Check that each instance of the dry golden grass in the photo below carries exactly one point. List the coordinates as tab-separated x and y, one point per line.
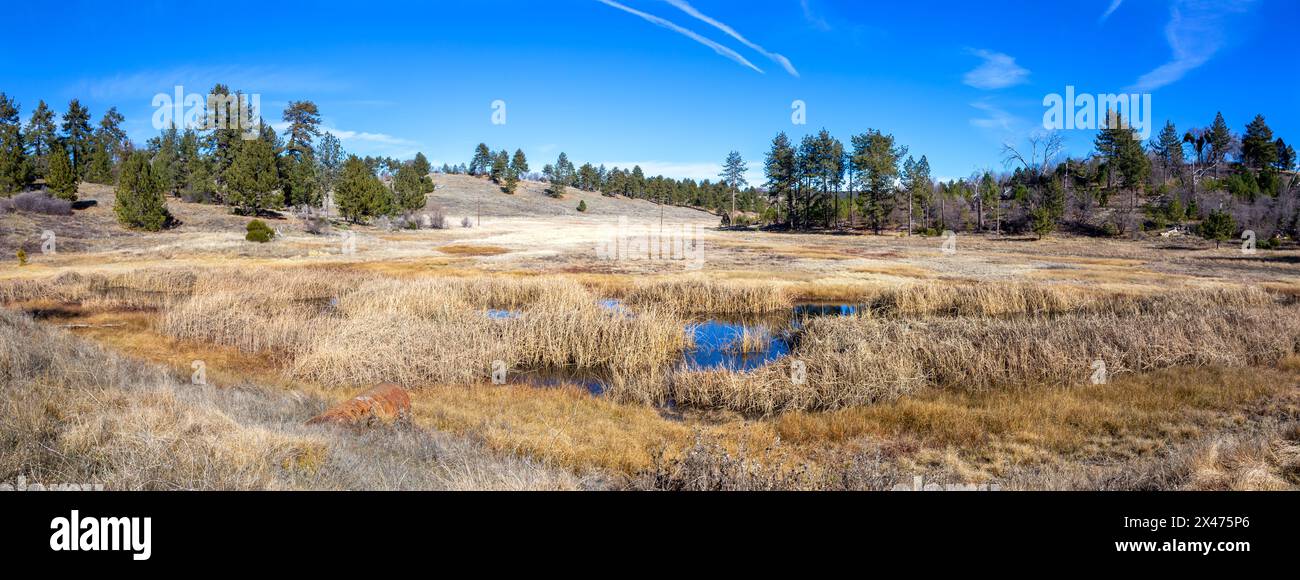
702	295
72	413
472	250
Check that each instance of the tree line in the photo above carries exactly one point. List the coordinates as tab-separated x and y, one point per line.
302	168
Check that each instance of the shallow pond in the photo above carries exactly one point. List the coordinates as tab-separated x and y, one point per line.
721	342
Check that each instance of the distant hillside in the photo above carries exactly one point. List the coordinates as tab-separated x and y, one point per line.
460	195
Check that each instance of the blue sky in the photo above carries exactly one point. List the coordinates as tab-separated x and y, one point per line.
672	85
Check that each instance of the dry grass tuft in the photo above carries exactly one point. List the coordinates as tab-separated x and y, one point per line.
72	413
698	296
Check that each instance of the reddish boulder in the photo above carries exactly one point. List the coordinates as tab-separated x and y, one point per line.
384	403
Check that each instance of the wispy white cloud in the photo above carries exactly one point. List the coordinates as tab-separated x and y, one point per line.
200	79
686	7
994	118
998	71
365	142
1114	5
812	18
1195	33
657	21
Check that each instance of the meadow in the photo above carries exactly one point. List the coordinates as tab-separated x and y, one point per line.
975	368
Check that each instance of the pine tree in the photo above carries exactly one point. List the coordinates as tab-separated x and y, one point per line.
519	164
1258	150
299	181
636	183
1169	148
16	171
779	167
101	165
1219	138
167	161
303	118
111	135
1286	157
500	164
140	202
482	161
329	160
62	180
359	194
252	179
421	165
77	135
733	175
877	157
410	188
41	137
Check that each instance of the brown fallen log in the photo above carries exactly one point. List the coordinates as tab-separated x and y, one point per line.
383	403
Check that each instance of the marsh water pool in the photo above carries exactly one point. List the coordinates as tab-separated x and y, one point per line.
718	342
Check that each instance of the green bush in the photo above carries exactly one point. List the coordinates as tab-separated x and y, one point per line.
140	203
259	232
582	205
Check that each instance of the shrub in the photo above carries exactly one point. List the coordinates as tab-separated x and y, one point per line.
259	232
1219	226
22	257
582	205
36	202
465	222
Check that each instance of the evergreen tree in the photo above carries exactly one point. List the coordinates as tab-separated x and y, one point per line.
199	183
500	164
1286	157
779	167
252	180
299	180
140	202
588	177
111	135
16	171
1218	226
62	180
482	161
421	165
1258	150
877	156
329	161
636	182
77	136
167	161
1219	139
41	137
303	118
519	164
223	118
1169	148
358	194
101	165
733	175
990	195
410	189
